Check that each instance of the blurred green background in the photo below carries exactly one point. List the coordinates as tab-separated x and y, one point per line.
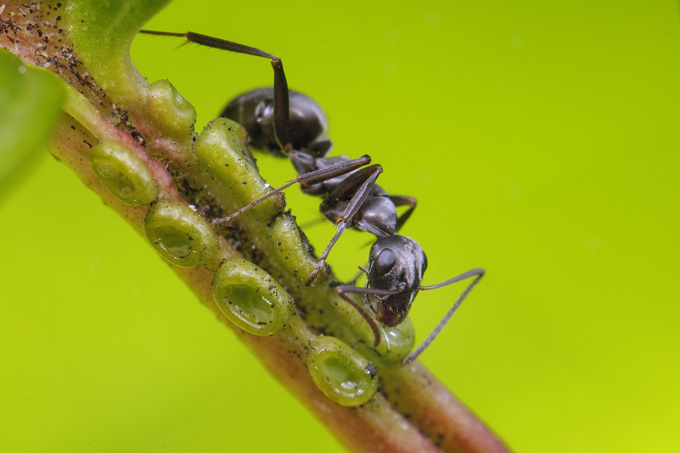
541	140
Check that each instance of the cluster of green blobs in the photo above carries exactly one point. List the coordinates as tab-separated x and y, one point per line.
179	234
123	173
246	294
251	298
341	373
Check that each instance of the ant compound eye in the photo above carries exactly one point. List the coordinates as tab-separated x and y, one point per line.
385	261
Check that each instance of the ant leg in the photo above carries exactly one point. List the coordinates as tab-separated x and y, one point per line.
377	229
343	290
305	180
281	101
366	178
403	200
479	273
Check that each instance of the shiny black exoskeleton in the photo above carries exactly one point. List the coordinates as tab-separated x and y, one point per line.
351	196
290	124
395	260
254	111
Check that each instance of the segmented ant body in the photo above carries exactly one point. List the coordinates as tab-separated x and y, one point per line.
290	124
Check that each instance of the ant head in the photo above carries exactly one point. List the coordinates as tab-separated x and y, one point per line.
254	110
396	264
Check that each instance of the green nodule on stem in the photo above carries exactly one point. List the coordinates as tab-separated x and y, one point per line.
171	113
123	173
251	298
223	154
397	342
341	373
179	234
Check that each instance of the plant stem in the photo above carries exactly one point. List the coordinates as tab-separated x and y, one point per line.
411	411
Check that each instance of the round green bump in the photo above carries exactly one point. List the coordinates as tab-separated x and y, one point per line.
123	173
222	152
179	234
342	374
397	342
172	113
251	298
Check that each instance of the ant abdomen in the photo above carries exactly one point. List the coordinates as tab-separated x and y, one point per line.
254	110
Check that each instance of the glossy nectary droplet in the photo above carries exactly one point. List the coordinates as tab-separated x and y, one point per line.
251	298
123	173
179	234
342	374
173	114
397	342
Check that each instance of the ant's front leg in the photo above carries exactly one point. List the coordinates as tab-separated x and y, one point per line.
281	100
344	290
477	274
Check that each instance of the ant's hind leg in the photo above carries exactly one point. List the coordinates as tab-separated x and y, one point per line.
281	100
305	180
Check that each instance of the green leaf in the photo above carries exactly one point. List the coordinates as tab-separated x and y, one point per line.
30	105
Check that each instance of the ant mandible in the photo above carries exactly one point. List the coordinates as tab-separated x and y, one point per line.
289	124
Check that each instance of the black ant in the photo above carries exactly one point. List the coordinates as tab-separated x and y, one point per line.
289	124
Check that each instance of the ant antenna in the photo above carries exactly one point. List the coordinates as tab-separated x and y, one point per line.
430	338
